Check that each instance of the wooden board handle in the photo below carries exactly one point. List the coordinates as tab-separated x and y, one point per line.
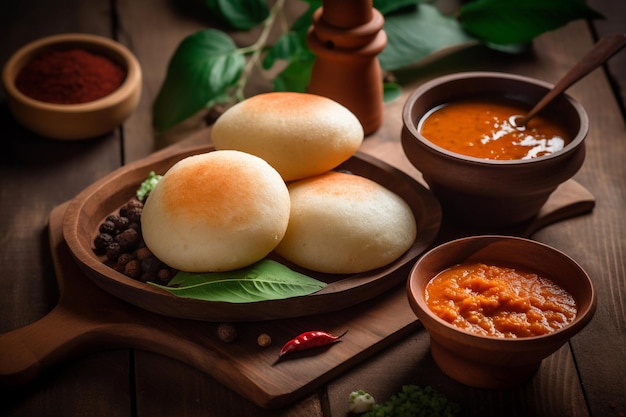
29	350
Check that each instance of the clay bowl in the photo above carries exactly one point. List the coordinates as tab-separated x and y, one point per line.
74	121
489	361
492	194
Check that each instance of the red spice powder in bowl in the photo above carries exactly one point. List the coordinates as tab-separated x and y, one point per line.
69	76
72	86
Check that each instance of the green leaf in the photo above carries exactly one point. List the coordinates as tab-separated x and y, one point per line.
204	67
264	280
292	47
285	48
297	74
414	35
516	21
390	6
148	185
391	91
239	14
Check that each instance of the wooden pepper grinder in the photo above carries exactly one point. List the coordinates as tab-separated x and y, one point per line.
346	38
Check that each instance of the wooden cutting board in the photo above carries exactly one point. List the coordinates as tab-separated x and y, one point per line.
87	318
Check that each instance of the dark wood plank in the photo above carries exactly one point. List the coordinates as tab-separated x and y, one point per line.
97	384
184	388
35	175
614	21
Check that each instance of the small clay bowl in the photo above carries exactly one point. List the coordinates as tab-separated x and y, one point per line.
488	361
74	121
492	195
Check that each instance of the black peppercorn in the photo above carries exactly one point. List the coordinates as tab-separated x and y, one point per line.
148	277
135	225
134	214
113	251
127	239
150	265
121	223
143	253
133	269
107	226
124	258
102	241
134	203
164	276
121	241
226	332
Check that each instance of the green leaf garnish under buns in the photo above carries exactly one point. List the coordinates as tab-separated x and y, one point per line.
262	281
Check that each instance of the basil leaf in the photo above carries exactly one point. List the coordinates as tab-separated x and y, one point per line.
414	35
514	21
203	68
264	280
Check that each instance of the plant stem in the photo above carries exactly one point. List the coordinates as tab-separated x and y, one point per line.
257	48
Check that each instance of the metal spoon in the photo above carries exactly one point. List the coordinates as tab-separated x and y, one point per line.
606	47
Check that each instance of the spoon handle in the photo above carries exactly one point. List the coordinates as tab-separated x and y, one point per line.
606	47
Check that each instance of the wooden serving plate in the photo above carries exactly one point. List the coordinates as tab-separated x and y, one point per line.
87	210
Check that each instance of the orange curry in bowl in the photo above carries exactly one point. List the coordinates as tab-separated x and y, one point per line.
485	128
490	300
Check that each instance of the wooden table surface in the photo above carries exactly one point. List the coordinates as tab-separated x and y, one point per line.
586	377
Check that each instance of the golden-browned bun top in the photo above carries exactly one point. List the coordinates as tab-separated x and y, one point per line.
299	134
217	211
345	223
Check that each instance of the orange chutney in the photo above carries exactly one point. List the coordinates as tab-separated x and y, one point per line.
484	128
495	301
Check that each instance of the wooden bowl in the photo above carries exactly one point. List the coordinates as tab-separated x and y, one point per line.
493	362
491	194
87	210
74	121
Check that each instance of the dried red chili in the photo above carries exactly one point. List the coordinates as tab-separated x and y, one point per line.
309	340
69	76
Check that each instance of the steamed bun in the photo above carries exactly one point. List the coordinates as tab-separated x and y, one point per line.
216	211
344	223
299	134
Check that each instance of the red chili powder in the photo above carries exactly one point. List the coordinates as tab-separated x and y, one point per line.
69	76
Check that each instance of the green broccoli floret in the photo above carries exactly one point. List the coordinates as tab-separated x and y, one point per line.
415	401
148	185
